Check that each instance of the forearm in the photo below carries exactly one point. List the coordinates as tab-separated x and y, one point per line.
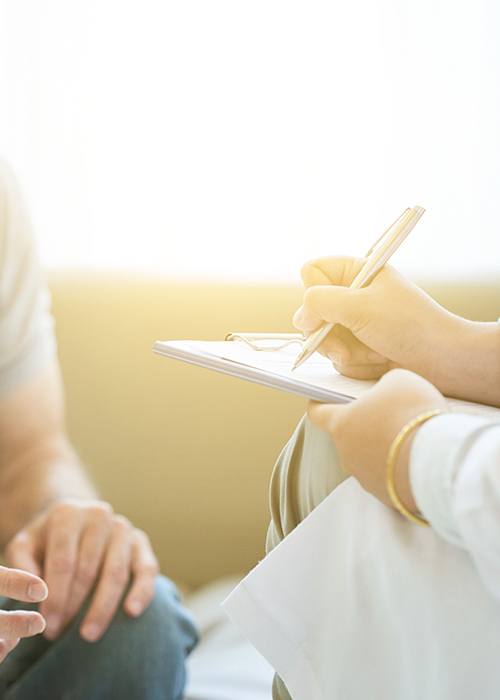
470	362
36	478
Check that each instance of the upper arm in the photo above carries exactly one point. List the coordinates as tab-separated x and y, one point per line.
32	419
27	344
31	400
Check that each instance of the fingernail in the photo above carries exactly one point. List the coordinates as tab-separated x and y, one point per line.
37	625
298	317
52	626
91	632
37	591
134	607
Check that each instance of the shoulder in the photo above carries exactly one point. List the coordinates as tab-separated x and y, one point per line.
8	182
15	225
11	203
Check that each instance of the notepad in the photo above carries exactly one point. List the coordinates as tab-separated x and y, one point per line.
272	366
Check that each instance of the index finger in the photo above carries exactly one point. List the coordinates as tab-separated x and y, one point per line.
340	271
63	539
21	585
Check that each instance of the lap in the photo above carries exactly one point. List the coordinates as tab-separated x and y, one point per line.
153	647
306	471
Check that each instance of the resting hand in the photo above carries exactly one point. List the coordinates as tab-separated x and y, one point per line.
364	430
390	323
15	624
80	546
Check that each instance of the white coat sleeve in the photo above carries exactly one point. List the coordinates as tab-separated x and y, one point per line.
455	477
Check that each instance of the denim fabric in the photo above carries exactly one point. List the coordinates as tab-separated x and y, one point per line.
137	659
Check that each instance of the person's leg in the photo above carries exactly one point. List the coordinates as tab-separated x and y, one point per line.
137	659
306	471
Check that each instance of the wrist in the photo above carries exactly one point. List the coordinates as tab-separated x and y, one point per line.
469	367
402	480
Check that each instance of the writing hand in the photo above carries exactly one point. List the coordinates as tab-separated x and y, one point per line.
390	323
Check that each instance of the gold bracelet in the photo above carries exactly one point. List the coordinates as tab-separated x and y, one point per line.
392	458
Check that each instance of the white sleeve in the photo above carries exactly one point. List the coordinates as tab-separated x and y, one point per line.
455	477
27	341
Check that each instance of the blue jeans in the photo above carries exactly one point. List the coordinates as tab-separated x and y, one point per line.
137	659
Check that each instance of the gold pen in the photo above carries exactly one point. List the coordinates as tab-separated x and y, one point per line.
376	258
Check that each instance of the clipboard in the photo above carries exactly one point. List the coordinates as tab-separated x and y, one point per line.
267	359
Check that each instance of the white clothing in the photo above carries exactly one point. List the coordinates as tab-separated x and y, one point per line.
356	602
26	328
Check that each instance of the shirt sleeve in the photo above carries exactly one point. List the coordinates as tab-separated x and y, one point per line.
27	341
455	477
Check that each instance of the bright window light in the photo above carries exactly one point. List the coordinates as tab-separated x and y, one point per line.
235	140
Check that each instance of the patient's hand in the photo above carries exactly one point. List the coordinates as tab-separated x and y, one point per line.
363	430
392	323
82	545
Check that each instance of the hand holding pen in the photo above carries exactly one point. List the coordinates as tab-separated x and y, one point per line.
375	259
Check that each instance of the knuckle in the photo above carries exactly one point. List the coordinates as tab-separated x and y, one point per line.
18	542
101	508
121	523
86	574
12	583
118	575
151	569
142	538
309	296
306	269
15	626
62	510
99	517
63	563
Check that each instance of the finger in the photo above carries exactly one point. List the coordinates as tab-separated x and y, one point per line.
20	623
368	371
331	304
21	553
90	557
21	585
323	414
340	271
145	569
336	348
113	580
63	535
6	646
306	320
352	350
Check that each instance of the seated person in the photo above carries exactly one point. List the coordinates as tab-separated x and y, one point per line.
389	327
112	628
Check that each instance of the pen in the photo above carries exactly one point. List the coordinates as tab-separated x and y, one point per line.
376	258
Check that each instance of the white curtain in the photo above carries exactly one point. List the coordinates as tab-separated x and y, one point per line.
238	138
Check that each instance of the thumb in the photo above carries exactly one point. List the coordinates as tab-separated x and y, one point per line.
329	303
323	415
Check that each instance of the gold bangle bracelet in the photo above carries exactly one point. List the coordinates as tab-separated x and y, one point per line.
392	458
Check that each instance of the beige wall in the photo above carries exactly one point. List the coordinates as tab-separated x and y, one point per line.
184	452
